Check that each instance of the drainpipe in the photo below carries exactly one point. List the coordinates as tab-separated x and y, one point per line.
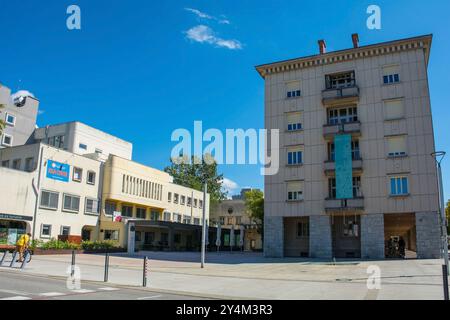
36	189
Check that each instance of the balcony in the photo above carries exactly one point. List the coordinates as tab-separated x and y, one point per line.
353	128
340	95
349	205
330	166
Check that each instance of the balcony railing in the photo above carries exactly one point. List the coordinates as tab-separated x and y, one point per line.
330	130
330	166
346	94
335	205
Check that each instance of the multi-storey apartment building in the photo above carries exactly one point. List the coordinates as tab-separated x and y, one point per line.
19	112
356	136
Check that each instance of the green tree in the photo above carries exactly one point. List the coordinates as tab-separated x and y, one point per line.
2	123
254	202
192	173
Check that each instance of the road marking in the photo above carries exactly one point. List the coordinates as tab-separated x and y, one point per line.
17	298
108	289
18	293
82	291
149	298
52	294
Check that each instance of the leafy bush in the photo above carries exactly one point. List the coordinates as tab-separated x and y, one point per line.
54	244
99	245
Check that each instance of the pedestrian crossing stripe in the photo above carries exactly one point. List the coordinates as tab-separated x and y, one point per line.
108	289
81	291
52	294
17	298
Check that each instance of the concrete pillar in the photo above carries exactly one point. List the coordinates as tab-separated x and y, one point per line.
429	243
273	237
131	238
372	236
320	242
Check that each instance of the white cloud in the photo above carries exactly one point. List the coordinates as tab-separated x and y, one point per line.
229	186
205	34
203	15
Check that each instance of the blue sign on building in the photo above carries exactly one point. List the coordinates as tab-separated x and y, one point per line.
344	168
58	171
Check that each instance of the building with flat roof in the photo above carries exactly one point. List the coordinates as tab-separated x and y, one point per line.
79	138
19	113
143	209
356	136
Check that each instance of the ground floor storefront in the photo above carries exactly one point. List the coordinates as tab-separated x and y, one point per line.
354	235
12	227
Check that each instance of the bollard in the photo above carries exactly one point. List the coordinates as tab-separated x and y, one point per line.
13	261
144	276
72	273
3	258
106	267
445	277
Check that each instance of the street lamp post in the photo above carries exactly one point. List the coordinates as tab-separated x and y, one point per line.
204	230
439	156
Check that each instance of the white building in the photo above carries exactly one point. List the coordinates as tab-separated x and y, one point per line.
79	138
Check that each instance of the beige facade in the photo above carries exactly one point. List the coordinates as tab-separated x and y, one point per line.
379	94
159	213
49	207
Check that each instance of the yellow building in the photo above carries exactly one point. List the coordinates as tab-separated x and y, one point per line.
143	209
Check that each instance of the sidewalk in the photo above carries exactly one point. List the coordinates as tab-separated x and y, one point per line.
251	276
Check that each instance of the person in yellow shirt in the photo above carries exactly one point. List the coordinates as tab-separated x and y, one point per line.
22	245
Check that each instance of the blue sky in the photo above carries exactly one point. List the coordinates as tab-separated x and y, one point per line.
133	72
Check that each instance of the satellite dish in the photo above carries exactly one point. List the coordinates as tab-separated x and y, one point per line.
20	101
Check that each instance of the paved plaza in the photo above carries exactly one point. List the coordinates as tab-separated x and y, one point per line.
251	276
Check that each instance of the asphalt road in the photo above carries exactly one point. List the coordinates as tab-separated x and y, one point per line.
18	286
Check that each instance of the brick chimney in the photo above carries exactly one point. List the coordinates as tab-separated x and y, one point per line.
355	39
322	47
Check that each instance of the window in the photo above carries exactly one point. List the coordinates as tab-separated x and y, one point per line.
295	191
238	220
65	231
77	174
302	229
177	238
177	217
154	216
5	164
396	146
98	151
82	146
10	120
197	221
200	204
7	140
394	109
183	200
399	186
230	221
138	236
357	191
127	211
356	155
49	200
46	231
165	239
186	219
57	142
112	235
391	74
91	177
342	115
29	164
17	164
169	197
294	121
175	198
167	216
71	203
141	213
293	89
295	156
222	220
91	206
110	208
340	80
195	203
189	201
